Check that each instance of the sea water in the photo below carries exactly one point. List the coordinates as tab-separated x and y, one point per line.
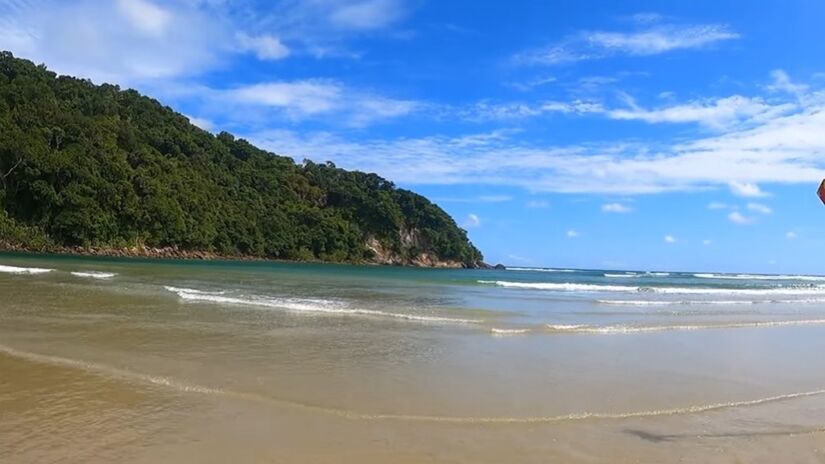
106	360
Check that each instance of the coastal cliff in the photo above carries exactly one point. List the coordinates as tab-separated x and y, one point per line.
93	169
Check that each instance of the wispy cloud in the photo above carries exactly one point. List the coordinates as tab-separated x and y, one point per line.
265	46
616	208
783	148
538	204
746	189
572	233
128	42
670	239
649	39
790	235
715	113
782	83
472	221
759	208
313	98
738	218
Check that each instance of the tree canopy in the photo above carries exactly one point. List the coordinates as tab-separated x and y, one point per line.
96	166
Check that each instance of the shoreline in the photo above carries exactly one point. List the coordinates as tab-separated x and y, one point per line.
175	253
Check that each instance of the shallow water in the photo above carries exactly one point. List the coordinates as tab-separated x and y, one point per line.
106	360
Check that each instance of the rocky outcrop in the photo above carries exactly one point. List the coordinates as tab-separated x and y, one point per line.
415	251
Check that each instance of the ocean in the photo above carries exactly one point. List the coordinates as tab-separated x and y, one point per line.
126	360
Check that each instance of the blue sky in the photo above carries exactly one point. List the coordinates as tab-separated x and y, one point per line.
645	135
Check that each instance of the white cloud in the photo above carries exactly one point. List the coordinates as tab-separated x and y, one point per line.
472	221
203	123
538	204
787	148
572	233
782	83
717	205
759	208
145	16
652	40
265	47
305	97
616	208
670	239
738	218
790	235
661	39
746	189
123	42
719	113
707	242
316	97
366	14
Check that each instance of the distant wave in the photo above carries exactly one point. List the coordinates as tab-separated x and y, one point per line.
595	288
620	275
23	270
633	329
678	302
95	274
306	305
193	291
539	269
658	274
562	287
759	277
496	331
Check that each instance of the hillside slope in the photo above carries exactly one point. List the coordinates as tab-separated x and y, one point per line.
96	167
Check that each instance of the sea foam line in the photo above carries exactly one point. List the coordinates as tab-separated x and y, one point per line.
758	277
680	302
308	305
595	288
631	329
497	331
23	270
94	274
184	387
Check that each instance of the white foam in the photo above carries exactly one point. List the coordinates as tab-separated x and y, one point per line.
759	277
496	331
561	287
193	291
658	274
630	329
23	270
620	275
677	302
95	274
594	288
307	305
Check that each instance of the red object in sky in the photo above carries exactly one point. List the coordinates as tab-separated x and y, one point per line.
821	191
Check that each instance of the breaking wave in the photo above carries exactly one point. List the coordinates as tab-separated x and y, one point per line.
95	274
595	288
23	270
496	331
305	305
634	329
760	277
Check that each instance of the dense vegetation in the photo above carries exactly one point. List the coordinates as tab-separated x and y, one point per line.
97	166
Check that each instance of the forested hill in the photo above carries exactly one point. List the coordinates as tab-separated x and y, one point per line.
96	167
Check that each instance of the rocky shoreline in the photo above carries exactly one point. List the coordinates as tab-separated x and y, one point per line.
178	253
